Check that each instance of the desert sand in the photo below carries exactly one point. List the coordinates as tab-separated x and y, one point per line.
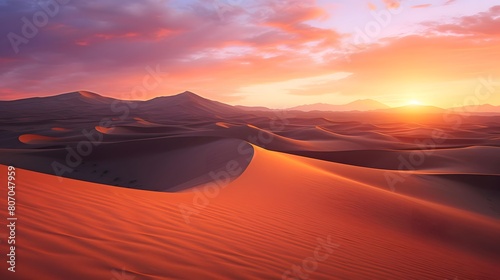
187	188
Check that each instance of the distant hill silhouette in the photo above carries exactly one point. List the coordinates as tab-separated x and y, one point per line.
188	105
358	105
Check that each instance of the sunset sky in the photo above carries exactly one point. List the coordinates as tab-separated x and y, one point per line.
269	53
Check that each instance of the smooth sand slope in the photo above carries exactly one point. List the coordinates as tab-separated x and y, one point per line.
257	227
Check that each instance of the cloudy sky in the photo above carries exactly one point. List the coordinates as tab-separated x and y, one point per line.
271	53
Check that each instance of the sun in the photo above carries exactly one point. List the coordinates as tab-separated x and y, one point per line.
415	102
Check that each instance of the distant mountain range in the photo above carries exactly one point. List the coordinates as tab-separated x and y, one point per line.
414	109
485	108
187	105
358	105
89	104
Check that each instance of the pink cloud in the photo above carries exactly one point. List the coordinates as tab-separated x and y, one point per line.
422	6
106	49
108	45
392	4
483	24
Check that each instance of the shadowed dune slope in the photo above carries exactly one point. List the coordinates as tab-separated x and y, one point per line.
161	164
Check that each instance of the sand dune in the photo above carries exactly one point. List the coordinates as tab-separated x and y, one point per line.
35	139
62	129
481	160
254	228
183	187
152	164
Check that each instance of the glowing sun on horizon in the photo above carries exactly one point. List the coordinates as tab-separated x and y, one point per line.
415	102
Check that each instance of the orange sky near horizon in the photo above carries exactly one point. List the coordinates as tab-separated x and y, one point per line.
276	54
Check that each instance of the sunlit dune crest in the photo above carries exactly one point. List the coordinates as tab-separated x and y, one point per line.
144	122
35	139
252	126
60	129
105	130
88	94
222	124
